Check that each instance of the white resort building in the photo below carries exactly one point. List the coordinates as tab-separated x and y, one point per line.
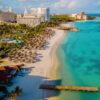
79	16
34	18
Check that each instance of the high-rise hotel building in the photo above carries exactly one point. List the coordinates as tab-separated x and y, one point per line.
37	16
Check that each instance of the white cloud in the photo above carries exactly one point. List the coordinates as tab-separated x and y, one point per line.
98	3
60	4
56	5
69	4
72	5
21	0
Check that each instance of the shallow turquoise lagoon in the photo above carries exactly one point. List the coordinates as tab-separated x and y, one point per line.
79	57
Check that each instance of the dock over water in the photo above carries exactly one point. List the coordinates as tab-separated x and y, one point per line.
72	88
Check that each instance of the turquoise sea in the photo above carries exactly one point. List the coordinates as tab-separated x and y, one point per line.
79	57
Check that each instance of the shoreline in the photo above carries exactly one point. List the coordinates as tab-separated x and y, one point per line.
41	72
55	61
55	56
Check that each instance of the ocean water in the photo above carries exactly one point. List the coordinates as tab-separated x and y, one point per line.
97	15
79	58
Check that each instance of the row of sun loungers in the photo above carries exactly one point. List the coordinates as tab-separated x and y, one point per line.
27	54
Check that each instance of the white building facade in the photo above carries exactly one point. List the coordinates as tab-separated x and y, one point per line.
37	16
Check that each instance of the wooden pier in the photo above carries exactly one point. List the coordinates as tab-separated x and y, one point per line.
72	88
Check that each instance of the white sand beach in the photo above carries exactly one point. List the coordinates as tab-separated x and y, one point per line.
41	72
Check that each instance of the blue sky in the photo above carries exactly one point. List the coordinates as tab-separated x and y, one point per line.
58	6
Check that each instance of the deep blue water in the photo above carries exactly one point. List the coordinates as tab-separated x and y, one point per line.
97	15
80	60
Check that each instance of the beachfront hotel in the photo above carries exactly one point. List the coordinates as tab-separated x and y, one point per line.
79	16
34	18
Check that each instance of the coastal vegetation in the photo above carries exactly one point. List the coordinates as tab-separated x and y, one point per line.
7	74
29	37
11	95
15	93
62	18
91	17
